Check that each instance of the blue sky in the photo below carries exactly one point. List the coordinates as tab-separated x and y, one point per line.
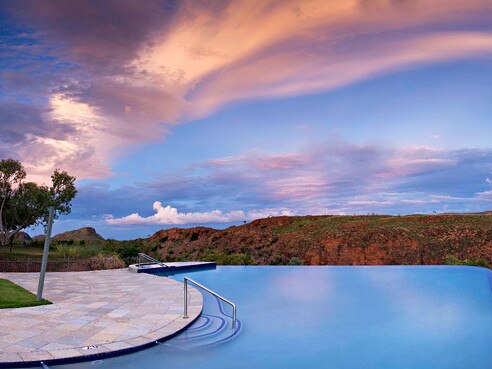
215	113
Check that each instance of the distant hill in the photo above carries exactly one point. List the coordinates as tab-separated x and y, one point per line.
21	237
489	212
82	234
334	240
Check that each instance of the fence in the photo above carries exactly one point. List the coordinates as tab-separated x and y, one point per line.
61	265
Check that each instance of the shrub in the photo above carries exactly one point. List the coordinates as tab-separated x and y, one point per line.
453	260
37	244
296	261
100	261
68	251
277	260
77	251
128	250
228	259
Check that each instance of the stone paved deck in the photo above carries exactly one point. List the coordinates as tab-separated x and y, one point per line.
107	310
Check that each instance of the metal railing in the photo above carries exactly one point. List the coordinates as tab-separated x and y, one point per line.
149	259
188	280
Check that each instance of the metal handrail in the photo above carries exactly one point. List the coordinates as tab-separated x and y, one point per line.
151	260
186	280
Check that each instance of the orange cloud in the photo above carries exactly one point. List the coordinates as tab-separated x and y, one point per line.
140	74
246	50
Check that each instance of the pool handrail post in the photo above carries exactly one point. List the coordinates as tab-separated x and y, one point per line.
150	260
185	314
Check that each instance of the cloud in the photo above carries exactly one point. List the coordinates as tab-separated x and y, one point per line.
488	180
168	215
332	177
485	195
128	72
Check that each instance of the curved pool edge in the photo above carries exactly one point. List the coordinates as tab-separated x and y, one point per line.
139	343
102	355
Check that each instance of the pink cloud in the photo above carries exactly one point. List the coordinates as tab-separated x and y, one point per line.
332	178
320	171
138	70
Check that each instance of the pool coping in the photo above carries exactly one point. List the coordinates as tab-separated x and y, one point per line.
110	349
100	355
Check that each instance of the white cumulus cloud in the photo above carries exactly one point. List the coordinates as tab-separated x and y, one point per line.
167	215
170	215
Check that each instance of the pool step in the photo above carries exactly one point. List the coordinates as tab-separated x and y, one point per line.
213	327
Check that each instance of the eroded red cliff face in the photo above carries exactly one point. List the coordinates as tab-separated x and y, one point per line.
337	240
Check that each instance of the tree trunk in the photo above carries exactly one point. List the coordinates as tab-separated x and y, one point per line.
3	239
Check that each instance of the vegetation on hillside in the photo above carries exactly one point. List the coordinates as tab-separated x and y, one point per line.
336	240
454	239
102	254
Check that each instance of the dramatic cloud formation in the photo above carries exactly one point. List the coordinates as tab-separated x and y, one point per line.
103	77
99	87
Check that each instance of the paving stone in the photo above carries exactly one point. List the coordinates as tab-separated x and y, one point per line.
10	357
63	354
109	310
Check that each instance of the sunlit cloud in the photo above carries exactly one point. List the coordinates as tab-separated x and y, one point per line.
128	72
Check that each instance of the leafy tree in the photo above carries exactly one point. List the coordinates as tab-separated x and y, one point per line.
25	204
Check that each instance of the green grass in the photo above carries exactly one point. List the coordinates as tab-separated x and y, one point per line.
19	252
409	223
14	296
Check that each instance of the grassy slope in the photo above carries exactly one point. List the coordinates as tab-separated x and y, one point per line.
14	296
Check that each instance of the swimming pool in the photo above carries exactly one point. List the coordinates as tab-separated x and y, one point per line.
333	317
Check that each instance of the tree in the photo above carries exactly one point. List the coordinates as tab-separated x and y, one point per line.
25	204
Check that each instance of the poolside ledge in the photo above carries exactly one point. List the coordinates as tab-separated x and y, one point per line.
93	315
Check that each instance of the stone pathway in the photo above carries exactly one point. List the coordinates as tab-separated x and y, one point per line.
92	313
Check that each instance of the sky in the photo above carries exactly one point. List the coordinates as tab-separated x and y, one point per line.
215	113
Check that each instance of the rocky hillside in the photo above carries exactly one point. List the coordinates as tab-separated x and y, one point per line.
334	240
82	234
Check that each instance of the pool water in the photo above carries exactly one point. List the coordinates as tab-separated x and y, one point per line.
392	317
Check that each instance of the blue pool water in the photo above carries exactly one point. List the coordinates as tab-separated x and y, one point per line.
397	317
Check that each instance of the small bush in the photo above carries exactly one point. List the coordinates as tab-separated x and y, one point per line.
100	261
296	261
37	244
77	251
128	250
453	260
278	260
68	251
222	258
